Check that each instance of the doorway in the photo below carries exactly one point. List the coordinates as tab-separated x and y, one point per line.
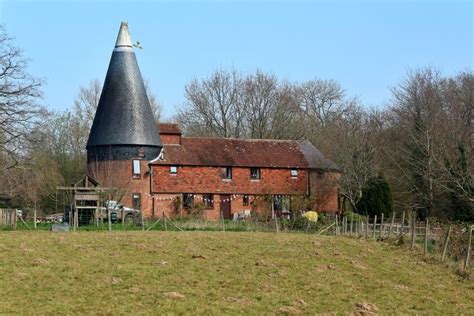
225	206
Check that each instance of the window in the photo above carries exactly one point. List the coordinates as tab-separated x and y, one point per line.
245	200
188	200
226	173
294	173
320	175
136	169
208	201
255	173
173	169
136	201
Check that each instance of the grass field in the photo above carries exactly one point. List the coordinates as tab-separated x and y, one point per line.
217	272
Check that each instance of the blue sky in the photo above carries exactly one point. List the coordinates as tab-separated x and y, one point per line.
367	46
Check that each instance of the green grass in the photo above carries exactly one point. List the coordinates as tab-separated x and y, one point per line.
131	272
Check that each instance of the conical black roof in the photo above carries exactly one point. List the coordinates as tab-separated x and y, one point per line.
124	115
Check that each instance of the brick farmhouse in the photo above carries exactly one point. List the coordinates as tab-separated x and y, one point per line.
157	170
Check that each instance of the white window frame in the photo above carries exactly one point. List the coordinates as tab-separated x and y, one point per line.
294	173
136	169
173	169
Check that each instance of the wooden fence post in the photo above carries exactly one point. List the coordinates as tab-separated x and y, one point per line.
347	226
446	241
425	248
391	225
381	228
413	224
352	222
374	228
109	218
96	213
336	225
367	228
164	218
223	222
403	224
468	255
34	216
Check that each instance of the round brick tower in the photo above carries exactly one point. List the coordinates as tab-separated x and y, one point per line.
124	135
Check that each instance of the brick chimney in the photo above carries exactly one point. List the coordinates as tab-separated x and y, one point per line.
170	133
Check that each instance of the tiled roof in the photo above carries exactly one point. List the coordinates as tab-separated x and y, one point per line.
245	153
123	115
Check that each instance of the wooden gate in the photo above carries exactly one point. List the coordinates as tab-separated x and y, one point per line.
8	218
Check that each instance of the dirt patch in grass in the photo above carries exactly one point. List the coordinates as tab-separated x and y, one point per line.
133	272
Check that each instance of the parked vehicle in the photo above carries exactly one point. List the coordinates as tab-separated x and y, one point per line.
55	218
118	212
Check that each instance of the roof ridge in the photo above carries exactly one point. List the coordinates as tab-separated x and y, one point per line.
245	139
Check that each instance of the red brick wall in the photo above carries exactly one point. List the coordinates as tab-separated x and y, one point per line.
170	139
119	175
165	204
208	180
325	188
167	187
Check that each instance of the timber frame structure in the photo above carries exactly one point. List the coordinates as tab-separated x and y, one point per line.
86	201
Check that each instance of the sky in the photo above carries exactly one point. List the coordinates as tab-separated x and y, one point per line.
367	46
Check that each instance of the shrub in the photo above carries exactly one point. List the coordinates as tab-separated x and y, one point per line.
376	198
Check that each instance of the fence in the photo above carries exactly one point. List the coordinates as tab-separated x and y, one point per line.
435	238
8	218
442	240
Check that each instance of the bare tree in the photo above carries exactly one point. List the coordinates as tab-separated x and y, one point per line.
432	140
19	94
355	135
85	104
156	107
214	105
322	100
270	108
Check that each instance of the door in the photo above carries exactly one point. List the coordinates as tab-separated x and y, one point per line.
225	206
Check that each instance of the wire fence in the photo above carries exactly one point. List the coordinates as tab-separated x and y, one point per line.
441	240
434	238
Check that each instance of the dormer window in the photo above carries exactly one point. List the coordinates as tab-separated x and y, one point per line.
136	169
